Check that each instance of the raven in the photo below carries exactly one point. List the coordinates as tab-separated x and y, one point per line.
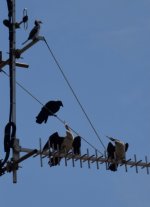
54	142
49	109
77	145
34	32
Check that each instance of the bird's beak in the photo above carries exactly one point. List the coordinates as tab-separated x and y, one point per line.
112	139
66	126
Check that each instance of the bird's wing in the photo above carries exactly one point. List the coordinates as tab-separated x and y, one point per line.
33	33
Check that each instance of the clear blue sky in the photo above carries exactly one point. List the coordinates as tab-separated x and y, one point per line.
103	48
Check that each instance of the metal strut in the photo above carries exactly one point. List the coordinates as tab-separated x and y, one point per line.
18	52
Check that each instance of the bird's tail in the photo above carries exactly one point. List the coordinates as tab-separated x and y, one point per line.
24	42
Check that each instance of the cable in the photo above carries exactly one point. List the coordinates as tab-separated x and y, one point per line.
74	94
10	131
30	94
27	91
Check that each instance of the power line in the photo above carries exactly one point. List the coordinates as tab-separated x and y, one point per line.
73	92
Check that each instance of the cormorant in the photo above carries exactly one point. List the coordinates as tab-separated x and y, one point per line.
54	142
61	144
117	152
49	109
34	32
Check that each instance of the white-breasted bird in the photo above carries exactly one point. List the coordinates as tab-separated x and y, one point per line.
66	145
34	32
117	152
120	149
61	144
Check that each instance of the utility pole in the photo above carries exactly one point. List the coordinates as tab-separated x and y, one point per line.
10	138
13	55
12	74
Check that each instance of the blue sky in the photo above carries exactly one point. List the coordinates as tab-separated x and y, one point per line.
103	48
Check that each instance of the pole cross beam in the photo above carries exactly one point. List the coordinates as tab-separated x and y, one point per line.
17	53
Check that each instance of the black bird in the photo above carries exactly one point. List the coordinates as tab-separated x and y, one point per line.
34	32
77	145
54	142
110	150
49	109
111	155
61	144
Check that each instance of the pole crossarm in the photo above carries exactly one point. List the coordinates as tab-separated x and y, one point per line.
18	53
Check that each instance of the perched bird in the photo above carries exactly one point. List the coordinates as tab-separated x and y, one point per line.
65	146
110	150
54	142
111	155
77	145
34	32
49	109
117	152
60	144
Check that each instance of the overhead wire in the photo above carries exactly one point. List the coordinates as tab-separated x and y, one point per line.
36	99
73	92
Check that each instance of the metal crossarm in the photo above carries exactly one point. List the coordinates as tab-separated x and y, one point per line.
18	53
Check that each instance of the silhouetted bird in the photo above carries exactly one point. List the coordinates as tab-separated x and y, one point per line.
34	32
49	109
53	142
60	144
110	150
117	152
77	145
111	155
